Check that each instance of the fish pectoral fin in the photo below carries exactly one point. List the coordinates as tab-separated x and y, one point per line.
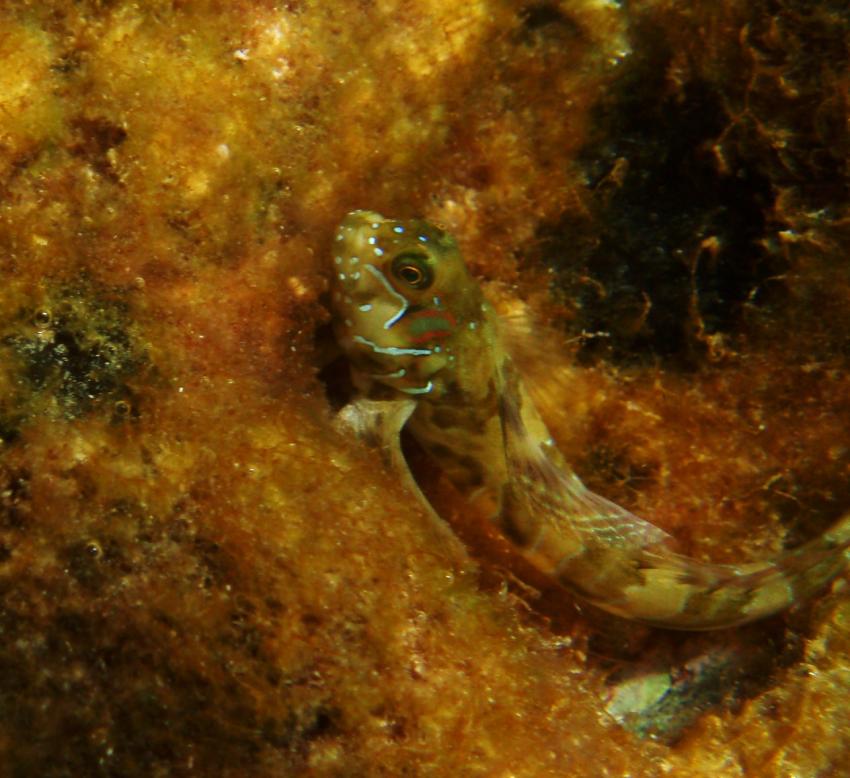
378	423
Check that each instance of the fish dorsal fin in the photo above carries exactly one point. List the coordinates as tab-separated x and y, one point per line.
531	344
543	483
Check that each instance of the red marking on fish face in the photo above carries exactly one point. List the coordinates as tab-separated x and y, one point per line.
440	324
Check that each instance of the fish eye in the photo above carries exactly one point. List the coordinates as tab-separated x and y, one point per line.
42	317
413	270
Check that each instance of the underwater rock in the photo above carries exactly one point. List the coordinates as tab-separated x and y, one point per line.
199	576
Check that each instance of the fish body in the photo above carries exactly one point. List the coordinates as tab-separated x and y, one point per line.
421	339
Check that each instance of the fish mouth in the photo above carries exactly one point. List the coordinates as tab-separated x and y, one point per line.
356	220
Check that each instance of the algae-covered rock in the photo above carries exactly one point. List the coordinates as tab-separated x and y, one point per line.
199	575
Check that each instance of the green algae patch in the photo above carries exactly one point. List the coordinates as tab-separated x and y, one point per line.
72	348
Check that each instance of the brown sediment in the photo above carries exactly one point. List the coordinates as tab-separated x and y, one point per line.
199	577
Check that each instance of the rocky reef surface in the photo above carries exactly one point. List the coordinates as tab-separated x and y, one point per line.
200	576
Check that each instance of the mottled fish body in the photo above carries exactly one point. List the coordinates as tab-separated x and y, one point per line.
425	351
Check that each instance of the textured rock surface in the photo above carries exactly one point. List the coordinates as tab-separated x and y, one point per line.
198	576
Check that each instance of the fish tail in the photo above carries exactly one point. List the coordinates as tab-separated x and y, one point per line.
626	565
658	587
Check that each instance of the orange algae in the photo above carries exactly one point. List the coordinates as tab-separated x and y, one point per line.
199	577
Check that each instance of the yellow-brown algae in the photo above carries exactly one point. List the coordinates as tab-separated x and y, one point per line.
216	583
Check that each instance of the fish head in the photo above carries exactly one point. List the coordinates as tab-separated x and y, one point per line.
401	295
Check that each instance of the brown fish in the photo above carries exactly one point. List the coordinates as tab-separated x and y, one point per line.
425	351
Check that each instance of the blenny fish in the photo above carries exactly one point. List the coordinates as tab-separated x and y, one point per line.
426	353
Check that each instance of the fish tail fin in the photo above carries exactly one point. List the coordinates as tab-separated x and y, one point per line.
673	591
